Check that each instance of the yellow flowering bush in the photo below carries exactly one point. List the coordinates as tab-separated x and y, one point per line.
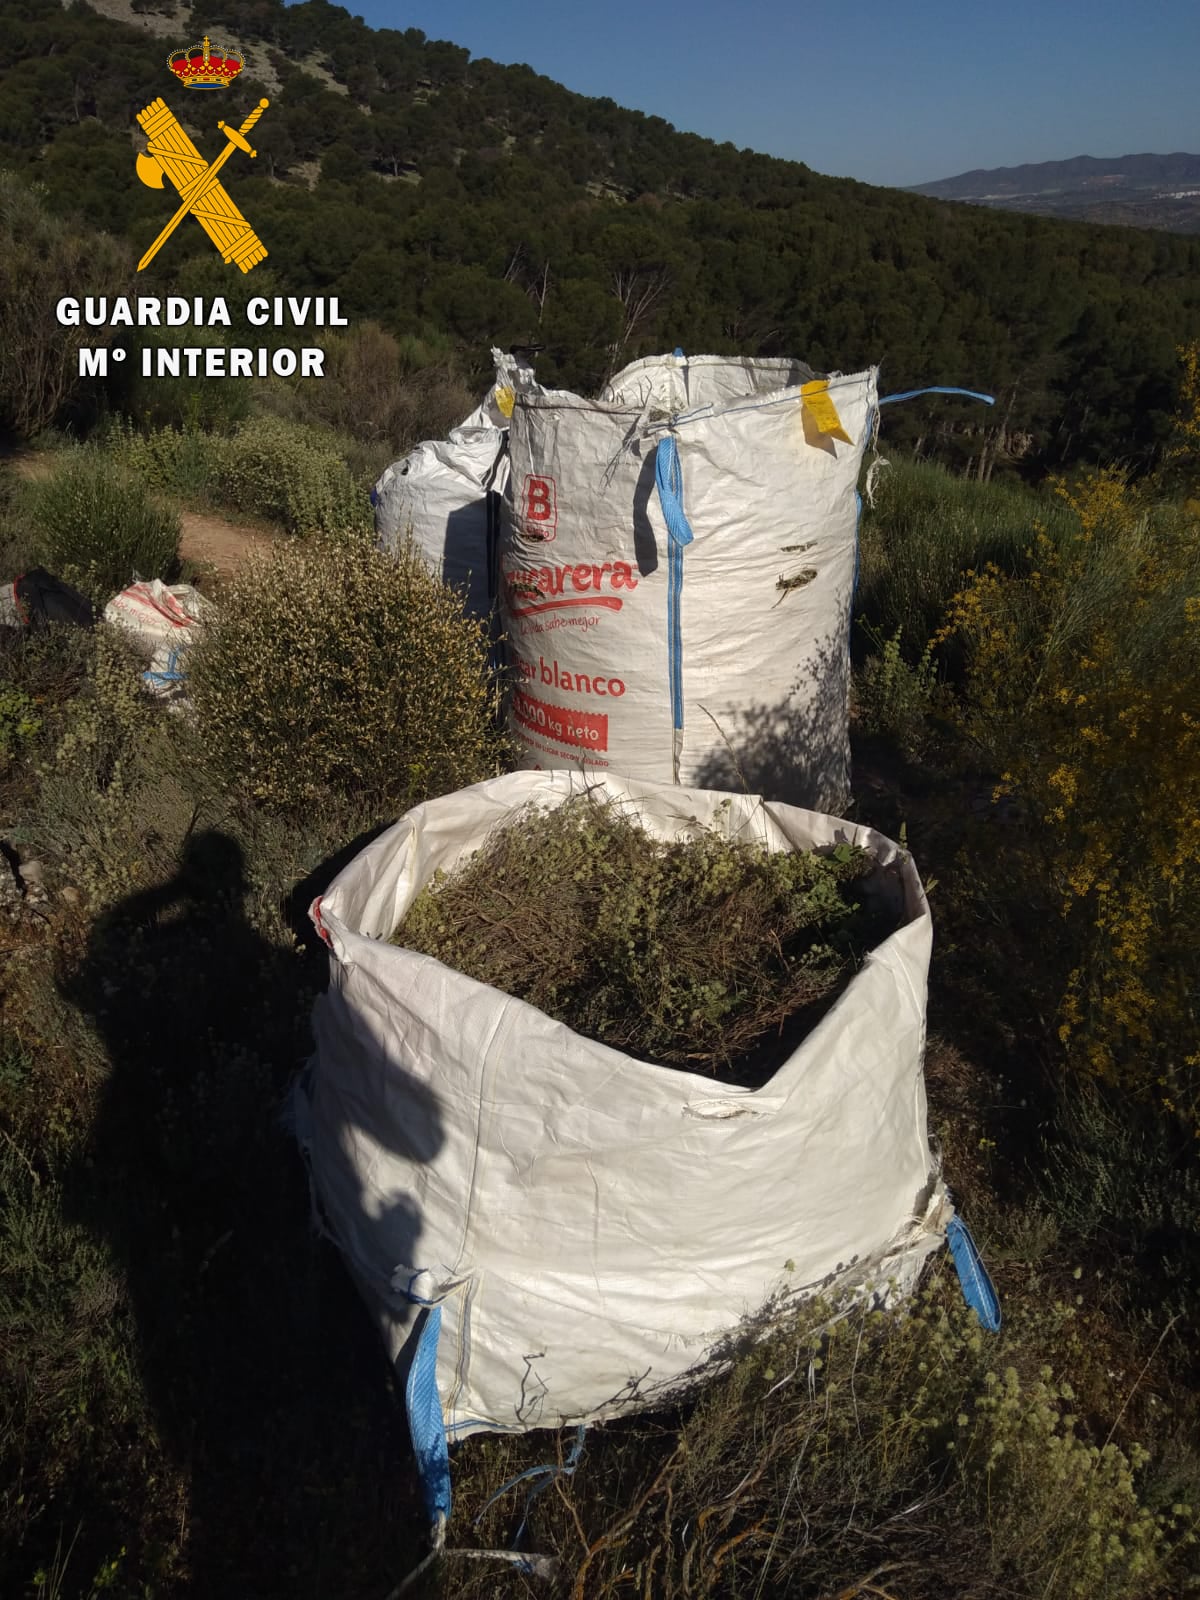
1083	693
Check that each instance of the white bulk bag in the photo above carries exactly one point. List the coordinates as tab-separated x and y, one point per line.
592	1227
677	563
439	491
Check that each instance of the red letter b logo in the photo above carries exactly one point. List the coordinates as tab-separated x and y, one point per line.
541	506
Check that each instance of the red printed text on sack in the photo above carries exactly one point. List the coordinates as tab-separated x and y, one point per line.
546	588
541	506
557	677
586	729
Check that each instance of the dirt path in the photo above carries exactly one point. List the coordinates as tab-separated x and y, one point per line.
29	464
214	542
205	539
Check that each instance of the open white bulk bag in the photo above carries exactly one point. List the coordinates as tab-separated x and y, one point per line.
680	381
677	563
593	1228
441	492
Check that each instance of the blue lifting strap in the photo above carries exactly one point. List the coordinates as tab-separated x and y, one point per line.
977	1287
668	476
425	1422
911	394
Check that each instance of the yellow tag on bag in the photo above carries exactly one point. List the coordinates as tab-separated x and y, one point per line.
505	400
818	402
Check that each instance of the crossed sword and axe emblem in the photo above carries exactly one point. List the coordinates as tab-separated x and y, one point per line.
171	154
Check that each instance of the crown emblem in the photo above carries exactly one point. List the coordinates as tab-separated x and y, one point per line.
202	67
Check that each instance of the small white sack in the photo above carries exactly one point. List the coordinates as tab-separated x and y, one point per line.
154	614
594	1227
164	621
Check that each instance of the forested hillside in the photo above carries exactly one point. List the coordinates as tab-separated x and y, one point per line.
459	200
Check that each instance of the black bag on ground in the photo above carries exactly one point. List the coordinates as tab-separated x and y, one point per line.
37	598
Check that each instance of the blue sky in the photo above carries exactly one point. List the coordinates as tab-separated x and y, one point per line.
889	93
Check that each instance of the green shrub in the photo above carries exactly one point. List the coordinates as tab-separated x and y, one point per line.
380	389
68	1376
305	478
291	474
46	666
925	529
110	805
43	258
99	527
18	545
16	1068
214	404
19	721
1117	1173
688	953
183	462
895	699
334	669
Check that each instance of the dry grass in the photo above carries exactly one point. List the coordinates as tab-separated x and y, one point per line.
902	1454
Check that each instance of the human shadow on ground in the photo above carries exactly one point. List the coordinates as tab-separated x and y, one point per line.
265	1380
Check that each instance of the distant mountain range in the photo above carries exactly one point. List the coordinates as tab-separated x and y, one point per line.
1138	191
